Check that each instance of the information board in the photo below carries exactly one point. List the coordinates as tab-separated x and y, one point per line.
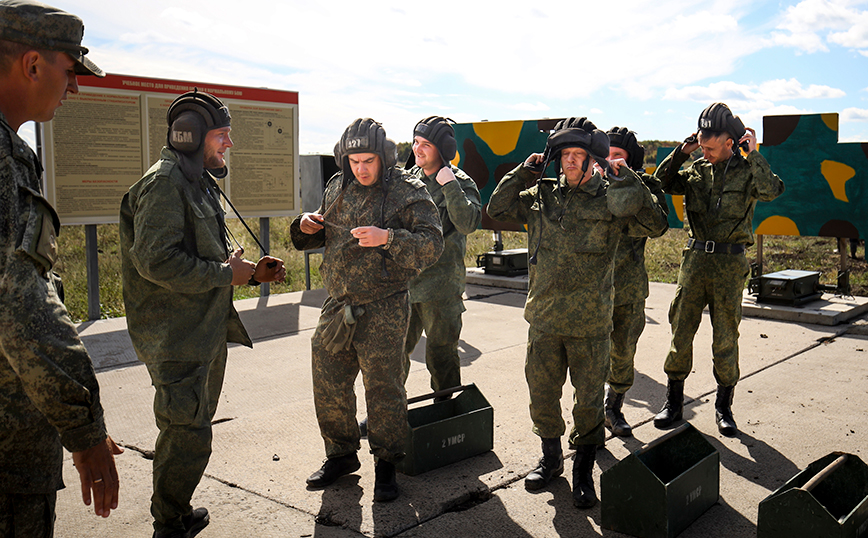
103	139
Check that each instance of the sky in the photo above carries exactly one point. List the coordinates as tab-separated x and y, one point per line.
652	66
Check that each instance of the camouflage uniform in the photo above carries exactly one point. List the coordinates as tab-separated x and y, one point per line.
178	298
435	295
569	303
376	280
631	290
49	396
714	279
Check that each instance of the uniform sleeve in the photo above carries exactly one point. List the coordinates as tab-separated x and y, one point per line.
39	341
649	220
463	204
672	179
303	241
420	242
656	221
766	184
510	202
158	252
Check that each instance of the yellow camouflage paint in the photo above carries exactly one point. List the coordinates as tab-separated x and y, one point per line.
501	136
836	175
778	225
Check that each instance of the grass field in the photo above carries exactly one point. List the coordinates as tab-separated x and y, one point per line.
663	256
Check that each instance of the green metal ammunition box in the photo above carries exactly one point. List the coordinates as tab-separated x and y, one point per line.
445	432
660	489
829	499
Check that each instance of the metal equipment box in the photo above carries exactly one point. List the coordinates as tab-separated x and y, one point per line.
790	287
828	499
448	431
660	489
504	262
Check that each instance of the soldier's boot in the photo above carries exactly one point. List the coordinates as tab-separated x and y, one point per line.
385	482
550	466
723	411
334	468
583	478
615	420
673	409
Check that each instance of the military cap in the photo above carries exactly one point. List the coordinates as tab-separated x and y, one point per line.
48	28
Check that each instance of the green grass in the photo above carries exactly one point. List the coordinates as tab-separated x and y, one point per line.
663	256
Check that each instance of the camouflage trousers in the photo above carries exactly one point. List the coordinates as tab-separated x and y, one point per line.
27	516
628	322
549	357
377	351
441	321
716	280
185	402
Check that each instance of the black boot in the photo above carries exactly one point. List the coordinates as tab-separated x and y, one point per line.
334	468
723	411
583	478
615	420
673	409
385	482
550	466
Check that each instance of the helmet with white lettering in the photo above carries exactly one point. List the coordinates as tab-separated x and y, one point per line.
190	117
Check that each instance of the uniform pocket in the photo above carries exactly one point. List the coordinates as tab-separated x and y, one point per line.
178	385
39	239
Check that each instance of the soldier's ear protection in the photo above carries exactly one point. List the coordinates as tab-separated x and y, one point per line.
191	116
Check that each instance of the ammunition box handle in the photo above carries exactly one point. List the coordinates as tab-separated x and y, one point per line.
444	392
822	475
663	438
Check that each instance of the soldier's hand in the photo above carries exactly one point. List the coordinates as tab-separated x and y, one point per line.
242	270
750	138
616	164
264	273
691	143
311	223
445	175
370	236
533	158
97	471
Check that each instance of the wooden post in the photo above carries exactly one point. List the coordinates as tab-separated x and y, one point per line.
264	235
759	252
843	249
92	265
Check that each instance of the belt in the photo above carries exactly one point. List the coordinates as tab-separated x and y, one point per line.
712	248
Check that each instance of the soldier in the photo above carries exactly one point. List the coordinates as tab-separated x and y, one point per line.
178	276
436	294
49	395
720	193
631	286
574	224
380	229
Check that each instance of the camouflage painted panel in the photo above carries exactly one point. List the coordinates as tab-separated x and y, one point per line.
826	182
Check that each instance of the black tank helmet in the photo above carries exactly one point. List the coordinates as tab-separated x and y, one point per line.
365	136
438	130
190	117
621	137
578	133
717	118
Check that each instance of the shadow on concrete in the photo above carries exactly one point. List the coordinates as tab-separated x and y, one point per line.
341	507
766	467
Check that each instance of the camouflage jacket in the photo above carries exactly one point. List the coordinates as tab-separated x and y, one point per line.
702	184
359	275
49	394
177	284
460	214
631	279
570	290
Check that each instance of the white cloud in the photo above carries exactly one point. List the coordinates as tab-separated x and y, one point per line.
530	107
811	24
743	96
854	114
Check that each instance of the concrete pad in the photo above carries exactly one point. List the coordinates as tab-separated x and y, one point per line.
800	398
827	310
